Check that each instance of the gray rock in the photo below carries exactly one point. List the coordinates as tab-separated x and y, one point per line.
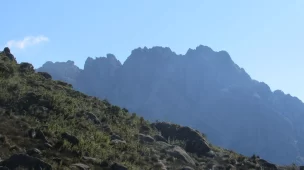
80	166
117	141
145	138
159	166
93	118
89	159
180	153
160	138
37	133
210	154
32	133
33	151
48	145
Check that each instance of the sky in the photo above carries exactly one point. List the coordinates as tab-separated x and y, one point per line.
265	37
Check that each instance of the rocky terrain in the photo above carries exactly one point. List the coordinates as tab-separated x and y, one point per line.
203	89
45	124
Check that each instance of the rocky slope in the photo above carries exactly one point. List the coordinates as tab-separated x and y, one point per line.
45	124
203	89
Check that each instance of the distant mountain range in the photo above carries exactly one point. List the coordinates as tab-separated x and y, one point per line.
203	89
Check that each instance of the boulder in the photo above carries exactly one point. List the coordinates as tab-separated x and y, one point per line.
180	154
145	138
26	161
37	134
70	138
195	142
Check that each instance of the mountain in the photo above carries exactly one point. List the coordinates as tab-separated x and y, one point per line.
45	124
203	89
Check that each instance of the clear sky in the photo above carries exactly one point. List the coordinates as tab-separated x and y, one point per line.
265	37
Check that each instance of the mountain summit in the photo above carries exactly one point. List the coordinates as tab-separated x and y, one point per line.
203	89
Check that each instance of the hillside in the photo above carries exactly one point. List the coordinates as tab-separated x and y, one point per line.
45	124
203	89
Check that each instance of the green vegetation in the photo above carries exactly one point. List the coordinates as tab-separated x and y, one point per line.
56	108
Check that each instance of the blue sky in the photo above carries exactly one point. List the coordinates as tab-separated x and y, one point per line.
263	36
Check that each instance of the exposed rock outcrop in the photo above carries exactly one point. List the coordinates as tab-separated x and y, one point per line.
195	142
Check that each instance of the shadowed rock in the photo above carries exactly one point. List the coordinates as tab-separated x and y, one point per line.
117	166
70	138
45	75
24	160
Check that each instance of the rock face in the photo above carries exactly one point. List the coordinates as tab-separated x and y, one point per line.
204	89
64	71
103	67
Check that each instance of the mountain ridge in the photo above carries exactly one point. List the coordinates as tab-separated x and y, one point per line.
159	84
45	124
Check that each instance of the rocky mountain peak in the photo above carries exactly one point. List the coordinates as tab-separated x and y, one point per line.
102	62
